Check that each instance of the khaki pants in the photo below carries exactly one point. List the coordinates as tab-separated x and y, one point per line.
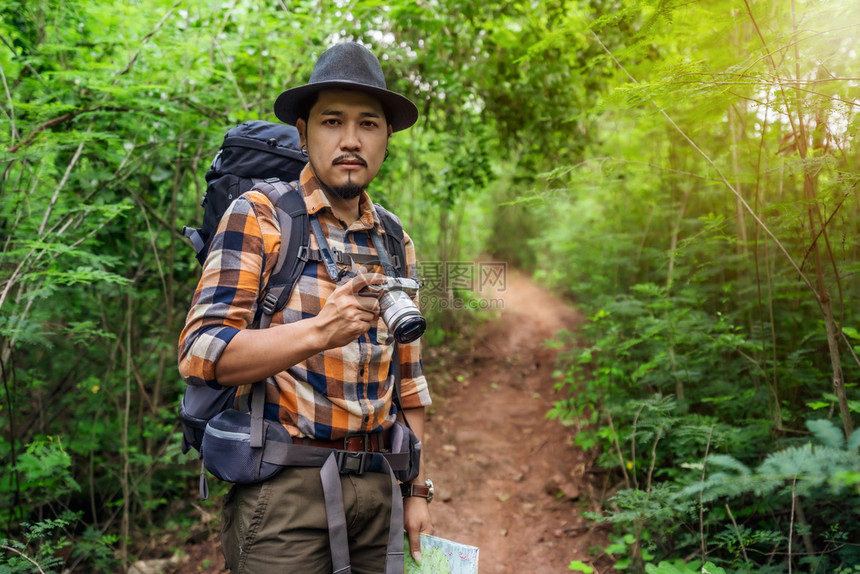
279	526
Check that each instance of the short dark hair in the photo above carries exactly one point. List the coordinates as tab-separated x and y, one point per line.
304	108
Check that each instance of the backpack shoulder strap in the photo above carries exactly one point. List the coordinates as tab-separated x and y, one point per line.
293	219
395	239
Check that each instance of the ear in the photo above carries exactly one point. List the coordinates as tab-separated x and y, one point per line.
302	126
390	131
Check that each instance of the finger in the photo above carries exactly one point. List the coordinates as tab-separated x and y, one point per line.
369	303
415	545
361	281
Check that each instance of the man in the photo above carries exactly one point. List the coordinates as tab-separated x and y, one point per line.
328	351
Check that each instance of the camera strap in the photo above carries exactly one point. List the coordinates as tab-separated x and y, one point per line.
326	254
384	259
329	258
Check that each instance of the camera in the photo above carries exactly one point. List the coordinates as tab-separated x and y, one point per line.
401	316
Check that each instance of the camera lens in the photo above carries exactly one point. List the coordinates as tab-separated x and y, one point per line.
402	317
409	328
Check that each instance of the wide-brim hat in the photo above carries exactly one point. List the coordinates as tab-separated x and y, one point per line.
348	66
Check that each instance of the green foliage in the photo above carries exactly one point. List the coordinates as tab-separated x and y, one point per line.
111	114
42	542
579	566
736	501
39	541
809	469
42	471
717	327
627	550
708	232
681	567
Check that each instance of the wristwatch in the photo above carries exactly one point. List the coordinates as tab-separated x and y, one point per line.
425	491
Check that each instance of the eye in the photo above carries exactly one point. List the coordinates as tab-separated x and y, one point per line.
331	122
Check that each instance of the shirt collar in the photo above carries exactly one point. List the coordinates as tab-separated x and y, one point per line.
317	201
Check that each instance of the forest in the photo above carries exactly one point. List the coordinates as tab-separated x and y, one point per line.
684	172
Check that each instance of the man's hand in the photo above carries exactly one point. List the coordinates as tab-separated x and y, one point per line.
347	315
254	354
416	519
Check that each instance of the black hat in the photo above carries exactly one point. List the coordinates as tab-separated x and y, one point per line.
348	66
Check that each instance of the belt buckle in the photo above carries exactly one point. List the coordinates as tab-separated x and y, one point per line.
365	438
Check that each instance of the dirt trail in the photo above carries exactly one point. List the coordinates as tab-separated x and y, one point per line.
507	479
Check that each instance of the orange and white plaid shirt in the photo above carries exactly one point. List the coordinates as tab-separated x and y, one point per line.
331	394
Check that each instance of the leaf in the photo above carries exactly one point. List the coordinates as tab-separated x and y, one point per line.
851	333
854	441
827	433
672	567
729	462
616	548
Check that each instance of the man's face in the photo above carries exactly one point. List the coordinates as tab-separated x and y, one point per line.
346	135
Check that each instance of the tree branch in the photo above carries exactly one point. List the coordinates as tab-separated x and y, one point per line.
145	39
48	124
24	556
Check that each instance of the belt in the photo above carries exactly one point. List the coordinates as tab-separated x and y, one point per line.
365	442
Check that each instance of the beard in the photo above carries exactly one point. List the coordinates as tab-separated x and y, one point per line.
348	191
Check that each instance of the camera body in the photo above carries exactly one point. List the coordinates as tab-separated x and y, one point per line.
400	314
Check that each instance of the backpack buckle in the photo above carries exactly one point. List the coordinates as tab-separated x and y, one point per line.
304	253
339	257
352	462
269	303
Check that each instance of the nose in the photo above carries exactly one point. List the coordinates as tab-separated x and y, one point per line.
349	139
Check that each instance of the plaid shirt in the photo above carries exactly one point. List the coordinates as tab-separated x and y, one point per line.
331	394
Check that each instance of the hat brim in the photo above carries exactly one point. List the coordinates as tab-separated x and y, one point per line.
400	112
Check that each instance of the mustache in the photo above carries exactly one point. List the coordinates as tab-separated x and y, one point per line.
350	158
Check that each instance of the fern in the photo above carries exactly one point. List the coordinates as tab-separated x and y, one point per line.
827	433
854	441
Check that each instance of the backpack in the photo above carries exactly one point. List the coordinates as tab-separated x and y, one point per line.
252	150
262	155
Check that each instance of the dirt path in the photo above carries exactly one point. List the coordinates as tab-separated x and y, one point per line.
507	479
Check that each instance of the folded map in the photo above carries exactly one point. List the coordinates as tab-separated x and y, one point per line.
440	556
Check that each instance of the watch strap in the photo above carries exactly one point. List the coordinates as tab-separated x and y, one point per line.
408	490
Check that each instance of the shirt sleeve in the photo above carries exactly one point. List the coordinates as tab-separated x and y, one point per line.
414	391
225	301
